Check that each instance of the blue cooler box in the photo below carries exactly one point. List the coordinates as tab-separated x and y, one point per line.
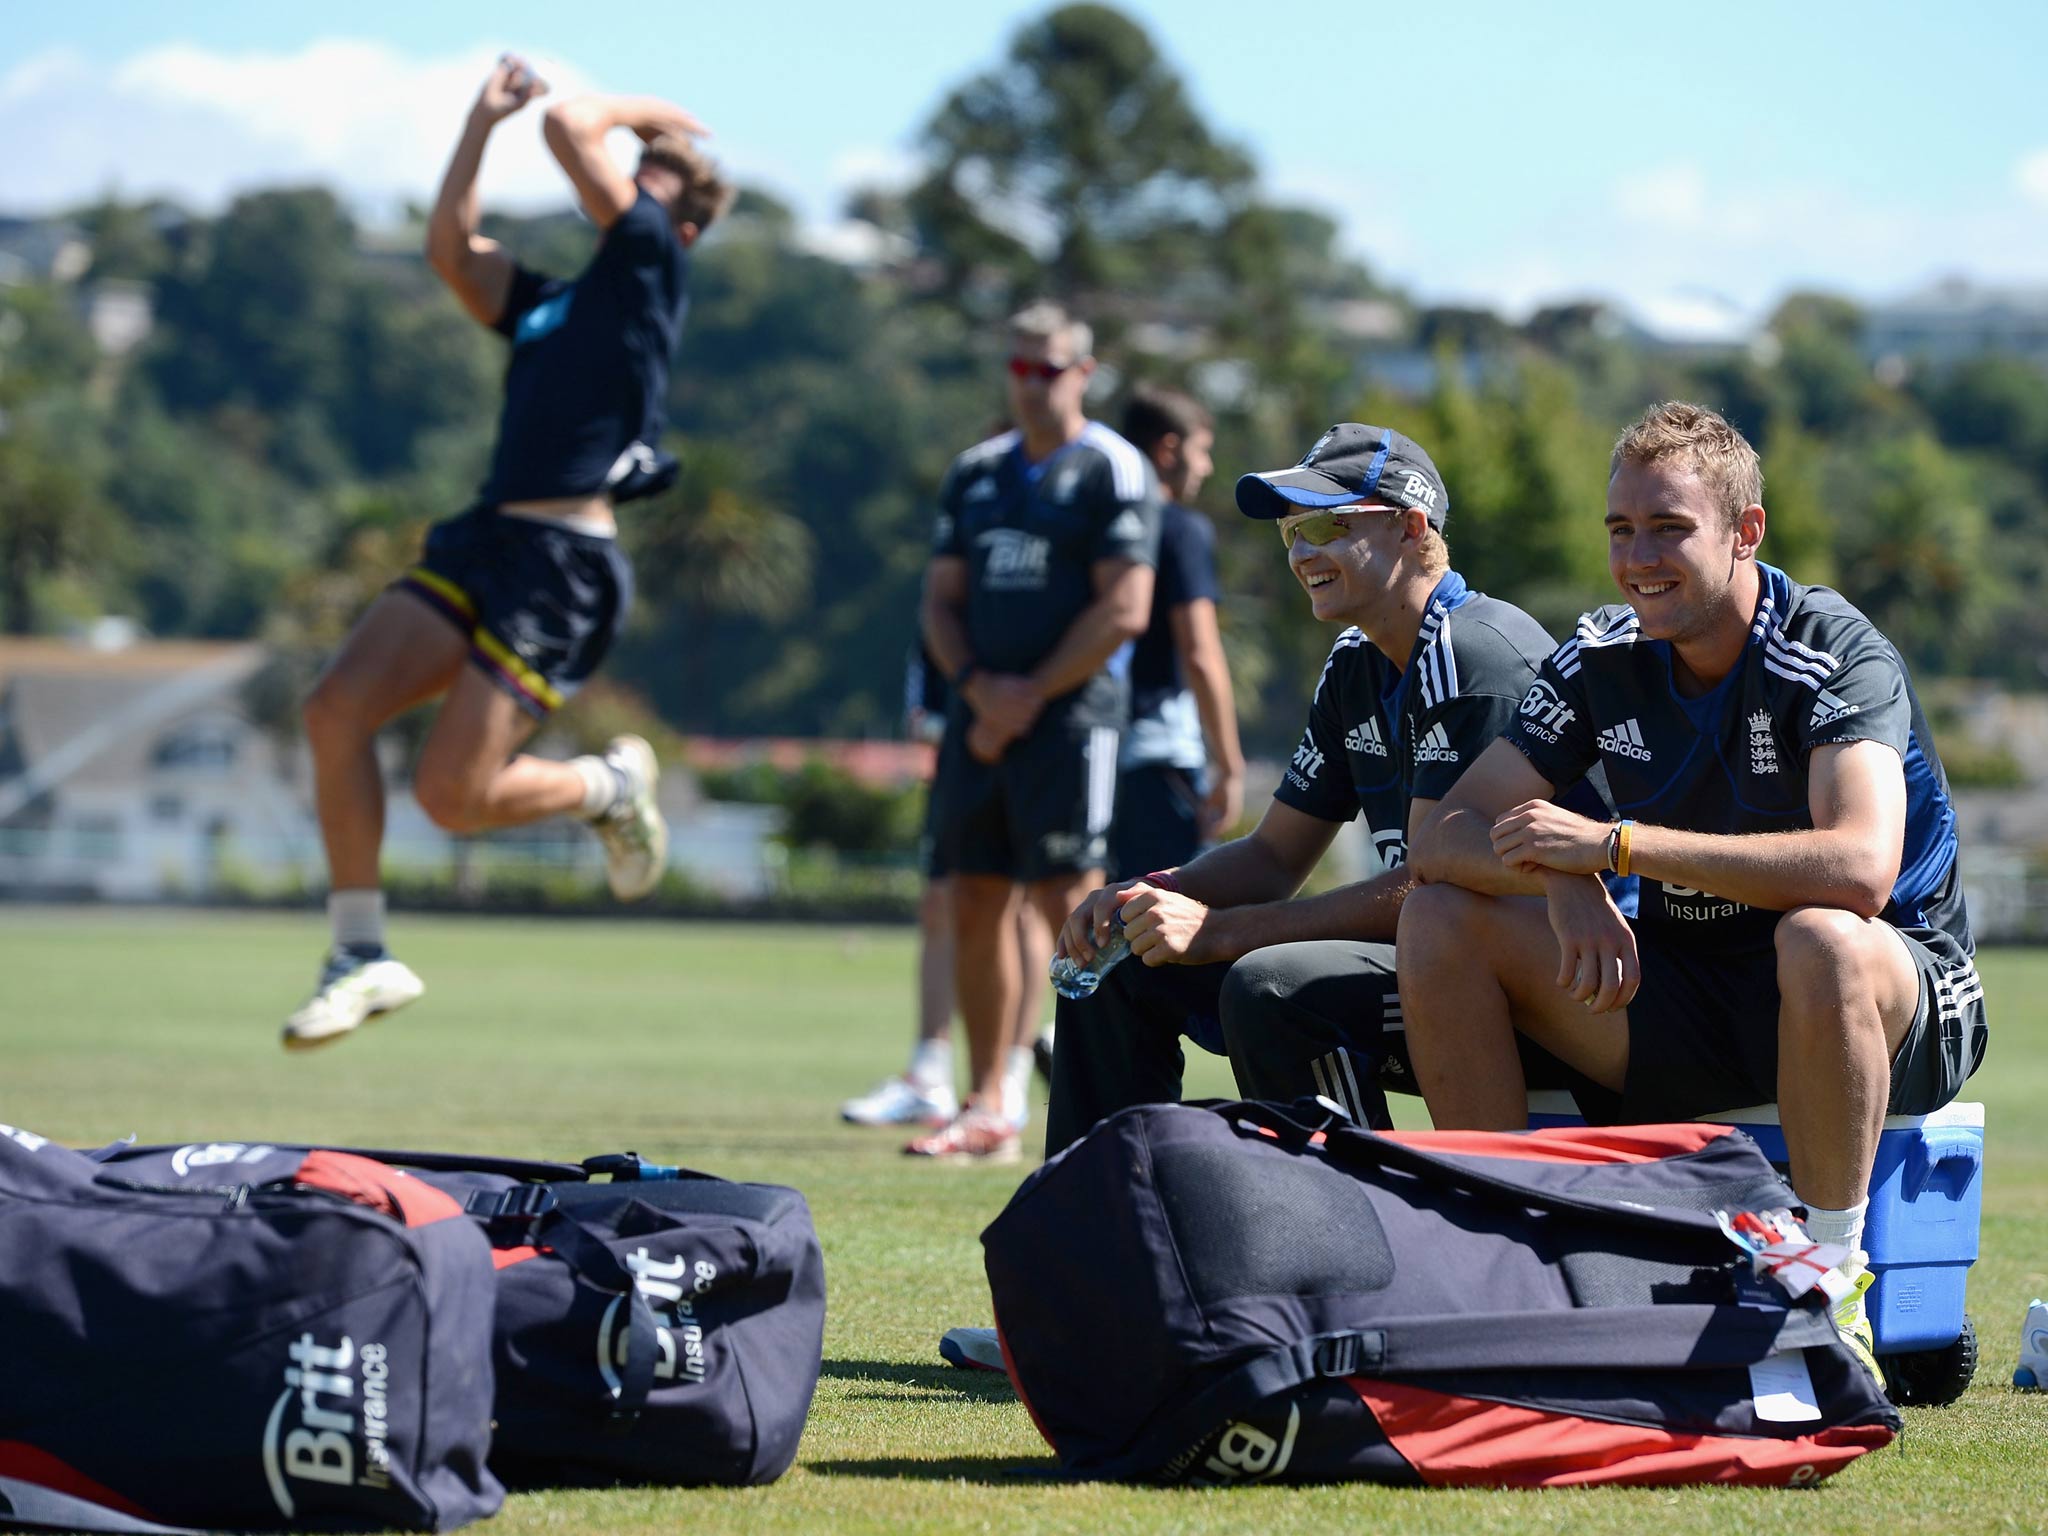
1926	1195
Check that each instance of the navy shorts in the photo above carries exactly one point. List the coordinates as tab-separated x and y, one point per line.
1703	1031
1044	809
1158	819
540	603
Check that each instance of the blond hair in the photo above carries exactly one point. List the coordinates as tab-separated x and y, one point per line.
1702	441
1049	322
1432	553
706	194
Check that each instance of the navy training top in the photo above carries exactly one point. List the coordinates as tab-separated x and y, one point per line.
586	387
1814	672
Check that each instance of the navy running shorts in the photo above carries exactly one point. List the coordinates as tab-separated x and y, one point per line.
1043	810
540	603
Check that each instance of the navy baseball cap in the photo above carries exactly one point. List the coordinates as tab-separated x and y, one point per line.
1350	462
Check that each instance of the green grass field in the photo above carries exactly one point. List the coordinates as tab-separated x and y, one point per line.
729	1048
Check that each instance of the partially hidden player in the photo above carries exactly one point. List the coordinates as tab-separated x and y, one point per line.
515	602
1802	936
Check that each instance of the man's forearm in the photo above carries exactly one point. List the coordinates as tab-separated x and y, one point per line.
1209	681
1084	649
945	636
457	208
1369	910
1456	848
1776	871
1242	871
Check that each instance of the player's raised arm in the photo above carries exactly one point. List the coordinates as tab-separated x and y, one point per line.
576	130
478	270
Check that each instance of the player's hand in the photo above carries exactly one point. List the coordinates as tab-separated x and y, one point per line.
510	85
987	741
1541	834
1006	699
664	119
1597	962
1221	806
1087	927
1165	927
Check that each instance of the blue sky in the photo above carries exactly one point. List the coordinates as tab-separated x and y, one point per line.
1684	160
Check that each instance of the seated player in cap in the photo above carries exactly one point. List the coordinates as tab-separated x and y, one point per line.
515	602
1425	673
1802	934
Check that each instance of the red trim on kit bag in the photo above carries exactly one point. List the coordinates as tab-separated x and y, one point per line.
1017	1385
33	1464
1570	1143
378	1186
1458	1442
505	1258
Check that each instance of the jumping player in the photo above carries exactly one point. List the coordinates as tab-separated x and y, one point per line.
516	601
1802	935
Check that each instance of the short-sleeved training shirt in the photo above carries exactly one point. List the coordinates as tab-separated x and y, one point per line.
585	390
1165	727
1031	534
1815	672
1381	736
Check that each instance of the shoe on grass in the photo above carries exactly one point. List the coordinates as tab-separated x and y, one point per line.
972	1349
902	1101
972	1136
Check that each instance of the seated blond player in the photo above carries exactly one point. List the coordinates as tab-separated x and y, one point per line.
1801	933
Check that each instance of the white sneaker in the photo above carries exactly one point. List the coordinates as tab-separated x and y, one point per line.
972	1349
633	831
1017	1088
2033	1367
352	991
900	1101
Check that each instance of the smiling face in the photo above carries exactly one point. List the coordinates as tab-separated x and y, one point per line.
1687	571
1351	578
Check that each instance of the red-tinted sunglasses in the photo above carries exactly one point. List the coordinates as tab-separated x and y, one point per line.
1031	368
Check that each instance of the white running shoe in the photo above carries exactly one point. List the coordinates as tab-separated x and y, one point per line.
352	991
2032	1373
633	831
900	1101
973	1136
972	1349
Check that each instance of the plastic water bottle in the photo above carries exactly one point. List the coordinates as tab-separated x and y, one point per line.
2032	1374
1074	981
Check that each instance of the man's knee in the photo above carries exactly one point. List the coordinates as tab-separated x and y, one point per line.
1829	966
453	800
1437	924
981	901
334	712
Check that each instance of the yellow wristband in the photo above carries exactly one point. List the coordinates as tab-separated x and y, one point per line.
1621	847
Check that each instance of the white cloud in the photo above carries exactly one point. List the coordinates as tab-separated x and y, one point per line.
875	165
2031	176
1671	198
200	125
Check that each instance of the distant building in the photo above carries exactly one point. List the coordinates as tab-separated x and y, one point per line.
1955	320
134	771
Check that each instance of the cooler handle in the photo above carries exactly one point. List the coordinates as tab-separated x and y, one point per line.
1939	1147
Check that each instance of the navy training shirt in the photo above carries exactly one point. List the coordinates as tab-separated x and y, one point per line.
1380	737
586	388
1031	534
1165	725
1815	672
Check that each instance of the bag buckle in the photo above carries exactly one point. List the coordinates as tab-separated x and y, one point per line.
1346	1354
510	1212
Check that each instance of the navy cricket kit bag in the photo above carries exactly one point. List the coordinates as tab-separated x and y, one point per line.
663	1327
1240	1292
307	1354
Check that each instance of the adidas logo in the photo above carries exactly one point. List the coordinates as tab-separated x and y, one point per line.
1625	740
1436	747
1366	737
1830	707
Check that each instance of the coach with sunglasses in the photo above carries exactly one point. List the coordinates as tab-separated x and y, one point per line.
1300	990
1041	575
